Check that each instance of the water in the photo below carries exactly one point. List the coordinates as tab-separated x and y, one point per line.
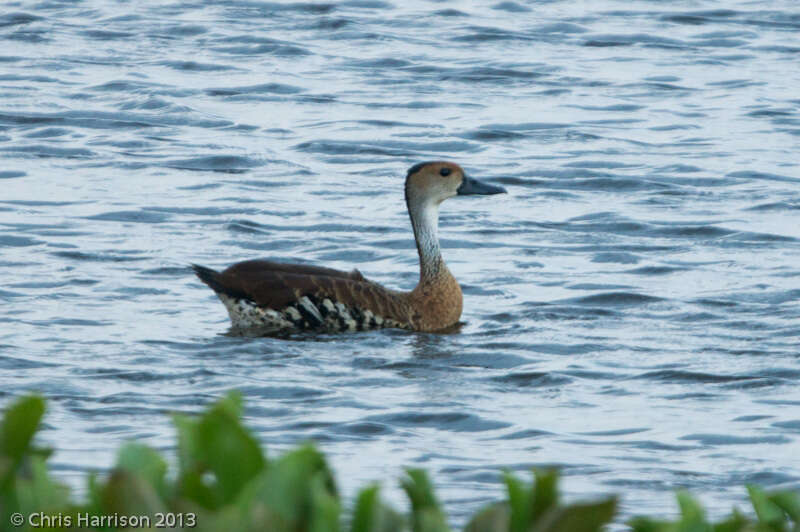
631	306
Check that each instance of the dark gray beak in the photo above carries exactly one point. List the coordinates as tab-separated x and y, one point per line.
473	186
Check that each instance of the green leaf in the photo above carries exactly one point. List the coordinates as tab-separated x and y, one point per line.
735	523
419	489
94	492
325	508
494	518
19	424
693	517
788	502
147	463
529	504
232	404
544	493
37	492
188	453
188	442
389	520
126	493
431	520
371	515
366	509
216	454
577	517
646	524
426	514
191	486
519	500
768	512
229	450
280	498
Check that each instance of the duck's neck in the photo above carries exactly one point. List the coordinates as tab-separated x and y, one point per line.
425	221
436	301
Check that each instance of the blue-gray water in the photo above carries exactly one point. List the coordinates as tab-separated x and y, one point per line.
632	306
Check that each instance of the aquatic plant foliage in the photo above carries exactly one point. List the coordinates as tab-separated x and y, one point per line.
225	482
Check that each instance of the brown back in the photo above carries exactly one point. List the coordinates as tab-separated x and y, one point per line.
275	285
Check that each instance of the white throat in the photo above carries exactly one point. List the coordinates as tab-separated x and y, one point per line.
425	221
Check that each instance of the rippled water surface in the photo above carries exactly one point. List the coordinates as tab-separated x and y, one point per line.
631	306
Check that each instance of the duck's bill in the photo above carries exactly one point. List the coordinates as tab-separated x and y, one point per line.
472	186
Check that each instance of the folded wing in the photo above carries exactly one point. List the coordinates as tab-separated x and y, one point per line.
280	286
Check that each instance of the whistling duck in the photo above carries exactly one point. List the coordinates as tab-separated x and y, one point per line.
272	297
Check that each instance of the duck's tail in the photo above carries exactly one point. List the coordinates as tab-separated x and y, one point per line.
208	276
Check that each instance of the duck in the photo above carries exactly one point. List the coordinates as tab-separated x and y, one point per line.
275	298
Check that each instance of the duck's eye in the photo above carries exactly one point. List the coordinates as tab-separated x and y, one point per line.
444	172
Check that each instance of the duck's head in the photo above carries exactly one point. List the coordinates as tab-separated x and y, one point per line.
438	180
